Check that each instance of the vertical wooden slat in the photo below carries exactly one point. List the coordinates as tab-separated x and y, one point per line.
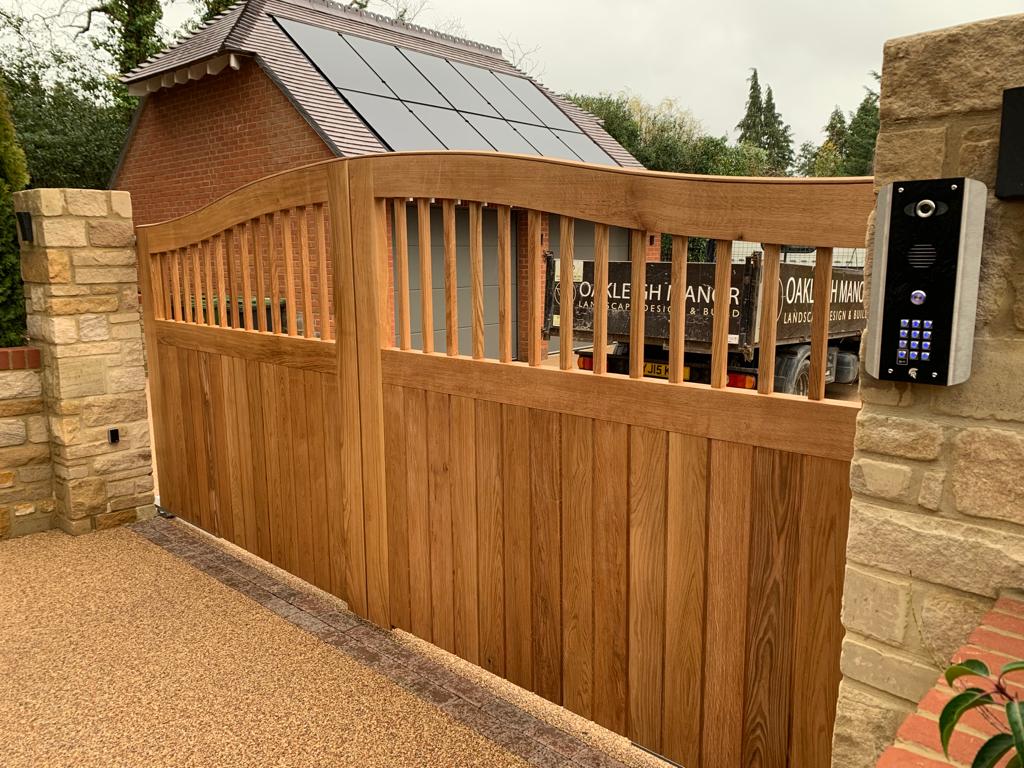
728	549
611	574
207	256
287	235
307	288
677	309
274	257
824	502
768	320
161	278
685	538
819	323
197	284
336	500
248	389
535	285
439	491
229	257
451	280
260	252
218	256
426	274
476	268
490	535
175	267
722	310
648	457
186	285
323	289
464	527
773	571
516	475
395	437
504	284
243	239
402	273
600	298
546	565
418	513
565	298
314	397
577	564
637	301
302	461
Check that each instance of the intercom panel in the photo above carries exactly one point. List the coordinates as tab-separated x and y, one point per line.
924	281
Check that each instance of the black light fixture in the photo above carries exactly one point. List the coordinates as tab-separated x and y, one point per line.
1010	176
25	226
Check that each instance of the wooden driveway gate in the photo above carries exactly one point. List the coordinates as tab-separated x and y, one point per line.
664	558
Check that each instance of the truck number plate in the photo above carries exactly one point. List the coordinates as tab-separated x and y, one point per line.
660	370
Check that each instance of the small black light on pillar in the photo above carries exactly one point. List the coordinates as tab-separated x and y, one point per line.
25	226
114	436
1010	176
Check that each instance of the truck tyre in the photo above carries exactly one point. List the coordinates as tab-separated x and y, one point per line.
795	368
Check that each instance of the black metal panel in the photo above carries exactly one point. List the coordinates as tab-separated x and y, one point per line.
583	146
396	70
452	85
497	95
502	135
335	58
538	103
392	120
450	127
546	142
1010	176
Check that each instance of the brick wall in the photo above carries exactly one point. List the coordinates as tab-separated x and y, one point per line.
196	142
937	517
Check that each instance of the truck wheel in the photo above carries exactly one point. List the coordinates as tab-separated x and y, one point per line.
794	368
802	378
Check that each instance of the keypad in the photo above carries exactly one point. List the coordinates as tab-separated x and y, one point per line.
915	341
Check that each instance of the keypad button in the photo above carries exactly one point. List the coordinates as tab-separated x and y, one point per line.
926	345
914	344
927	334
904	323
915	323
926	355
904	334
902	354
927	323
913	355
903	343
915	334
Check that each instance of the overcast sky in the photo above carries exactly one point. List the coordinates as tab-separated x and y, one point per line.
814	53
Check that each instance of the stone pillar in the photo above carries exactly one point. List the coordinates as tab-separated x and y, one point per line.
937	518
81	288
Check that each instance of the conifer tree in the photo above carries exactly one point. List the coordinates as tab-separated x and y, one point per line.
751	127
13	177
836	131
861	136
778	137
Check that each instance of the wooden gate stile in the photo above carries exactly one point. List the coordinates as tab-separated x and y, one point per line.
664	558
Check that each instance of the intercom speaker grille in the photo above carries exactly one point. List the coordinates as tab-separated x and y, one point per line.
921	256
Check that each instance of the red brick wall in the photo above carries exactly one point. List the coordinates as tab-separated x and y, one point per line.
196	142
522	351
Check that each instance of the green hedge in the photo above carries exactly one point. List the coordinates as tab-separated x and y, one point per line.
13	177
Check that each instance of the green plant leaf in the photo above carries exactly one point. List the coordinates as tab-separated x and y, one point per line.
1015	716
966	667
1013	666
992	751
955	709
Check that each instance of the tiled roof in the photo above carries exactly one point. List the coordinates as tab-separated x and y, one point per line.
248	28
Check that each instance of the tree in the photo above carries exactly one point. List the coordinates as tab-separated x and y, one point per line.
13	177
836	130
130	33
209	9
778	138
861	137
751	127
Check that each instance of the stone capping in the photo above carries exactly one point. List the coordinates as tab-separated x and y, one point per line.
19	358
496	719
998	640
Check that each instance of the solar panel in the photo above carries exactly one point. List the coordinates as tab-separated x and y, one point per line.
585	147
395	70
502	135
499	97
335	58
450	127
538	102
394	123
453	86
546	142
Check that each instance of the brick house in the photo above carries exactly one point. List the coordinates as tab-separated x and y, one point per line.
273	84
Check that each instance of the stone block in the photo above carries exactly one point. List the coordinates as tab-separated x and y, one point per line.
111	233
103	257
41	202
12	432
18	384
93	328
5	523
103	411
7	477
81	377
126	330
995	389
875	605
45	265
133	353
951	71
883	479
78	305
74	527
34	473
88	275
121	204
84	497
895	436
88	349
967	557
930	494
56	330
910	154
115	518
35	425
86	202
127	379
61	232
130	502
122	461
22	455
19	407
988	474
947	618
887	669
979	153
1003	242
877	392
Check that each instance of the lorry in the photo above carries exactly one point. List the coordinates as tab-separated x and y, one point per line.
847	319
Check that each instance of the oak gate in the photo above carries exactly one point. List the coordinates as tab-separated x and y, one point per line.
664	558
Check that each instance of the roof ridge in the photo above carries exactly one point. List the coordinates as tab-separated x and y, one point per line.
400	24
190	36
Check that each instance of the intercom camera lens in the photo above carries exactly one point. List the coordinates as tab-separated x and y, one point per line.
925	208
